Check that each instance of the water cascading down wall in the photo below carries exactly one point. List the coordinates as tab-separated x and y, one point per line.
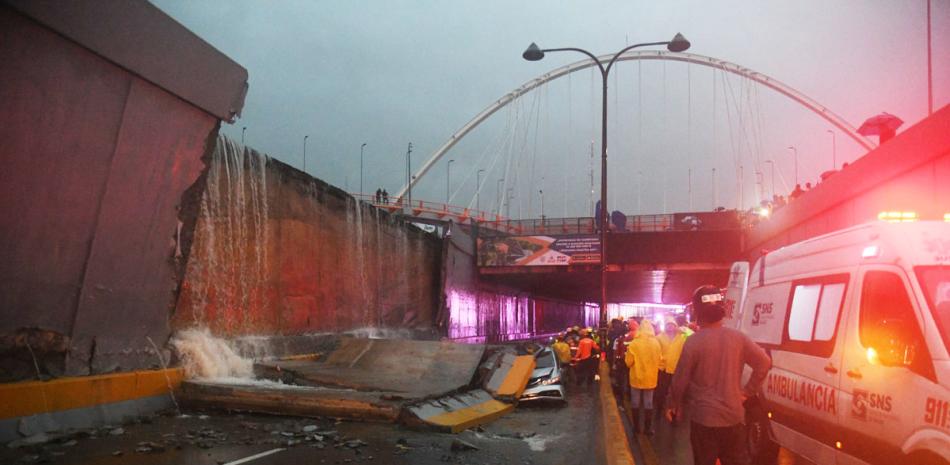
274	251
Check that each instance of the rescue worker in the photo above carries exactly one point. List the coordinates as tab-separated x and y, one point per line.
643	358
671	341
563	353
614	332
709	375
586	358
619	370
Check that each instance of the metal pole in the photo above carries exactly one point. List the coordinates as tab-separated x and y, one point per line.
541	194
448	176
834	150
305	153
361	166
478	188
409	175
498	196
930	71
715	195
243	130
795	151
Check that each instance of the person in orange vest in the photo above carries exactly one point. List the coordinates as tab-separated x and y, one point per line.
586	358
643	358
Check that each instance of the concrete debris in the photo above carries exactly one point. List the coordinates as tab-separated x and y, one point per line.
355	443
39	438
117	453
148	447
310	428
459	445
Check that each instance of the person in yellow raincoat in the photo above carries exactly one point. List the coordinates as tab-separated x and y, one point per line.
643	358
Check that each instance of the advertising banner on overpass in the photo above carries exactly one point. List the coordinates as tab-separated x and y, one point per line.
539	250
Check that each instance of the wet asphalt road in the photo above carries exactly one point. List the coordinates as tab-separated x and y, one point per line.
670	444
542	434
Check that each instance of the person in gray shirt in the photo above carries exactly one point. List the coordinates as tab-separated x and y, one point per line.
708	380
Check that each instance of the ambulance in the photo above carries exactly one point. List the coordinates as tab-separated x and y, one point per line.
857	323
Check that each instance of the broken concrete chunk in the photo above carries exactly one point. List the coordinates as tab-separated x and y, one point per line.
460	445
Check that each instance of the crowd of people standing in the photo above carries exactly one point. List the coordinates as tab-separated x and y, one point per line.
696	364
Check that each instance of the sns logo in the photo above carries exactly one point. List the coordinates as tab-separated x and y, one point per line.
759	311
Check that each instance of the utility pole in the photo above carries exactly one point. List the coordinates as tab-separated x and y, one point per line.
498	200
772	169
592	178
541	194
243	130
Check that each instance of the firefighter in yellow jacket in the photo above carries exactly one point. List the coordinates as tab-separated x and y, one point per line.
643	358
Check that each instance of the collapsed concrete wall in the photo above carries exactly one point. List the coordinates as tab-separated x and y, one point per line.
277	252
95	160
476	311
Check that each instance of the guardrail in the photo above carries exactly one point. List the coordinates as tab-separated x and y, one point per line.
551	226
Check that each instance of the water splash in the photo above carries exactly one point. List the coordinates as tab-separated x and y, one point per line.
204	356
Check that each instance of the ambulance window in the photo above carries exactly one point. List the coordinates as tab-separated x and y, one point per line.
813	315
889	325
802	320
831	297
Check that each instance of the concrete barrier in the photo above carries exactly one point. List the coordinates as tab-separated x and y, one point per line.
616	446
80	402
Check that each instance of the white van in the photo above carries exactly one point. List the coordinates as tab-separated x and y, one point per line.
857	323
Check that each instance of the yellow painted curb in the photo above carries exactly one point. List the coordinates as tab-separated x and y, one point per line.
465	418
616	446
33	397
517	377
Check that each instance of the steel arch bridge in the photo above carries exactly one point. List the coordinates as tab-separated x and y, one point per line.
770	82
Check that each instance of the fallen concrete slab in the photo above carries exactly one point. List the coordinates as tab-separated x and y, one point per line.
409	369
289	400
452	414
509	378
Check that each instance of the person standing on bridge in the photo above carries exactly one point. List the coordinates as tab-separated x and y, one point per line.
709	375
643	359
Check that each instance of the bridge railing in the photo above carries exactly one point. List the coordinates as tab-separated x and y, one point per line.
441	211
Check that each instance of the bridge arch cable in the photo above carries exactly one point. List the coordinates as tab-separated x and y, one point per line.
772	83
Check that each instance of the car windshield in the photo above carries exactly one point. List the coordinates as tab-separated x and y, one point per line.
935	281
544	359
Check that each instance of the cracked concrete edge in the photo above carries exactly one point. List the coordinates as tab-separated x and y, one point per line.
616	446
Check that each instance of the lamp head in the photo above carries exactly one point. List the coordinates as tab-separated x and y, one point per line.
678	44
533	53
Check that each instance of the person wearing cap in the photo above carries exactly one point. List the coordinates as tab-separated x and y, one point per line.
709	375
586	359
643	359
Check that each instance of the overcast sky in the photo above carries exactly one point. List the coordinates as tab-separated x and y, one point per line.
392	72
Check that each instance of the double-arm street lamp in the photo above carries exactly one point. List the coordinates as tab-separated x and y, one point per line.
535	53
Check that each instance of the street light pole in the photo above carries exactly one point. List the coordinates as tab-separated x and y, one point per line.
361	166
243	130
834	150
795	151
534	53
305	153
478	188
772	169
498	196
541	194
448	176
409	175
